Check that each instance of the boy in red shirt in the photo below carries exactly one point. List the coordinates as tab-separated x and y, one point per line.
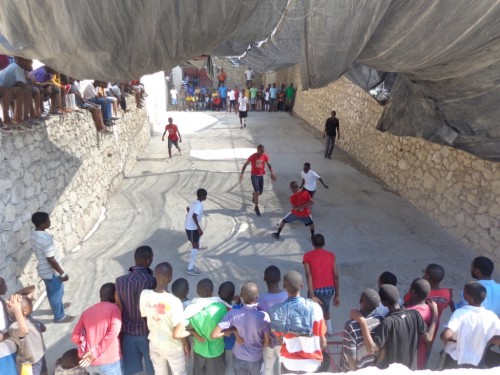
258	161
322	278
174	137
301	202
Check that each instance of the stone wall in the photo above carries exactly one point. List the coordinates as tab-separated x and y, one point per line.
63	167
456	189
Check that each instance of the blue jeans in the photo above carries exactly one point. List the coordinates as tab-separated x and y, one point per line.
134	350
109	369
330	144
105	106
55	292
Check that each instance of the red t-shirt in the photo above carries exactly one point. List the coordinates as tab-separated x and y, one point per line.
426	313
298	199
171	129
321	263
258	164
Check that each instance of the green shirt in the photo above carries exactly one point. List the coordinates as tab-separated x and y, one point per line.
289	92
253	92
204	323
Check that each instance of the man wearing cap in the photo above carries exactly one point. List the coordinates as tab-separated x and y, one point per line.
354	355
396	338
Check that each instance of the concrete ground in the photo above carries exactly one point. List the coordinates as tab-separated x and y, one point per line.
370	228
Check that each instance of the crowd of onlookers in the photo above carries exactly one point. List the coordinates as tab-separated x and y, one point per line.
28	95
192	96
146	322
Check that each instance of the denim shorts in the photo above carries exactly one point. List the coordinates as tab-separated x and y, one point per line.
258	183
325	295
306	220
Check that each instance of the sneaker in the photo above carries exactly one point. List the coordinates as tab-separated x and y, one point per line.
193	271
5	129
330	334
66	319
257	211
276	235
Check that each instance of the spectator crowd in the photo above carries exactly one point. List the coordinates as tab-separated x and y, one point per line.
145	321
28	95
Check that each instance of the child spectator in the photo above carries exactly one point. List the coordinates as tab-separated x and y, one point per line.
252	326
396	338
481	269
27	336
470	330
274	296
299	322
227	294
69	364
96	334
180	289
322	277
49	268
7	346
418	293
354	355
201	317
163	312
387	278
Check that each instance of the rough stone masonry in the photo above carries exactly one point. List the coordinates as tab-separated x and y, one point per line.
63	167
458	190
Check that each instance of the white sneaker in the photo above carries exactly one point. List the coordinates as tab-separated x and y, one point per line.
193	272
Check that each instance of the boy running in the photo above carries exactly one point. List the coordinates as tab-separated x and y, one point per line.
309	178
174	137
258	161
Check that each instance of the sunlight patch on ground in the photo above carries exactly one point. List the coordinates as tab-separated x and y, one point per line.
188	122
223	153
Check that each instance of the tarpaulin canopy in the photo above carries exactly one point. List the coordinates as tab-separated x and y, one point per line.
444	55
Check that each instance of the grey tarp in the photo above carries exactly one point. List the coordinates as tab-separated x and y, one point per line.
445	52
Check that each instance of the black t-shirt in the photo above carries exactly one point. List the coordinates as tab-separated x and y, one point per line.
331	126
398	335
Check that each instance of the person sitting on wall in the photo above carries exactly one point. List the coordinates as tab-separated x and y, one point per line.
43	79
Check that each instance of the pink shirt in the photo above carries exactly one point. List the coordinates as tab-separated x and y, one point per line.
102	323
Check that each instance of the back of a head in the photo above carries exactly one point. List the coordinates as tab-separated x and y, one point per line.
227	291
180	288
249	292
388	278
318	240
38	218
201	193
371	299
70	359
107	292
294	185
484	265
477	291
389	294
163	270
272	275
205	288
421	288
293	282
435	272
143	255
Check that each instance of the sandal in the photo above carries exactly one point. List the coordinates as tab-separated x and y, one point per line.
58	113
5	129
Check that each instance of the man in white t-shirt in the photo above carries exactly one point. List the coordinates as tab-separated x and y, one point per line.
48	267
193	228
163	312
243	108
232	99
309	178
249	77
173	95
470	330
